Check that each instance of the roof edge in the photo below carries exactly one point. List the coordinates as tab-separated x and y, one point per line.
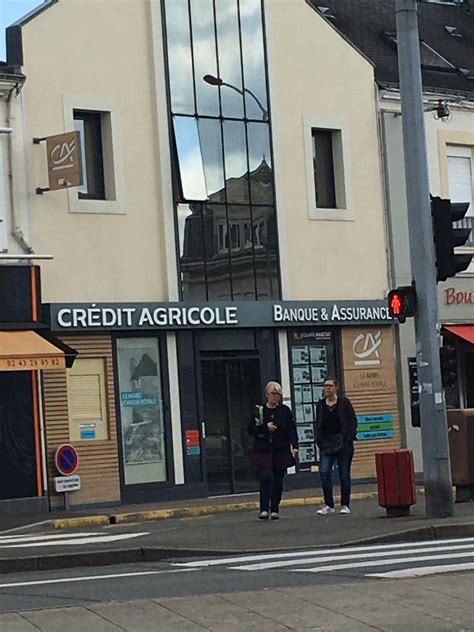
340	33
13	34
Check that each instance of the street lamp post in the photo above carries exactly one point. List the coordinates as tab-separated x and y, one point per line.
217	81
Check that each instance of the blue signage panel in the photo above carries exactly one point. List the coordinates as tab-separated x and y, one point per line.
193	450
370	427
379	434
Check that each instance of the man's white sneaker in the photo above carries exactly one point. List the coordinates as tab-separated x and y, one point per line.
326	510
345	509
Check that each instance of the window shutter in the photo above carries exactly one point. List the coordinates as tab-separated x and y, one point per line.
87	400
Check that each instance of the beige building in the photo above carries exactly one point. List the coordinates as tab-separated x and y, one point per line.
446	32
229	230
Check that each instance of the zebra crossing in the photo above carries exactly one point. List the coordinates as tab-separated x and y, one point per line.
63	539
389	561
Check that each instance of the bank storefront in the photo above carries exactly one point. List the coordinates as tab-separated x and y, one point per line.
159	398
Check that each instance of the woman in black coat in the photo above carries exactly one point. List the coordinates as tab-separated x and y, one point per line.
336	431
275	448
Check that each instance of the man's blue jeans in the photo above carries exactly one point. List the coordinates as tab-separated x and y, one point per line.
344	460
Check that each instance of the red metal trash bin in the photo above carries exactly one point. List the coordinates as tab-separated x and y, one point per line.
396	481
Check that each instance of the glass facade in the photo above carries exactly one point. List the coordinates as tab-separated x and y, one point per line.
222	160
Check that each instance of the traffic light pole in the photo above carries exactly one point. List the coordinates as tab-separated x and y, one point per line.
434	430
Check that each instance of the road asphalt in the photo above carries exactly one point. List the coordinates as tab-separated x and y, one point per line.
211	527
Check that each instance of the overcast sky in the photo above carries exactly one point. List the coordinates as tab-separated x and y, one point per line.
11	11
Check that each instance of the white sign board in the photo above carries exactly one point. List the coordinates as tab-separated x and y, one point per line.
67	483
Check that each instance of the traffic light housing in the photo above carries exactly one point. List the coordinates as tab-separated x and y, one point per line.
402	302
447	237
449	367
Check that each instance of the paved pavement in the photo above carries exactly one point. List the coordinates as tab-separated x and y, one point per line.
431	604
45	547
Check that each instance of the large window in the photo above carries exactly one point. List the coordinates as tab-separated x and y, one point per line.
141	411
89	126
328	169
312	358
461	182
97	119
222	167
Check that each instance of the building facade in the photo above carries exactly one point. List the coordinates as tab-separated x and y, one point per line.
446	31
229	230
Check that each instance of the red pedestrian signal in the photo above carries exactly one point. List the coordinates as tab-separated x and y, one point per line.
402	303
395	303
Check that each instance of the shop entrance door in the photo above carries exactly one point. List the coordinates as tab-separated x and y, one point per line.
231	388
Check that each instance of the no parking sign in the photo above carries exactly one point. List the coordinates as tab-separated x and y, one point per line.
66	459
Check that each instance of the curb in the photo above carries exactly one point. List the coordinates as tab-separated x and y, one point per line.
419	534
101	558
188	512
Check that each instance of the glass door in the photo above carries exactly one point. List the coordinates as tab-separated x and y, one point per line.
231	388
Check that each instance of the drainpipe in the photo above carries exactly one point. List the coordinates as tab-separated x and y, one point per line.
16	231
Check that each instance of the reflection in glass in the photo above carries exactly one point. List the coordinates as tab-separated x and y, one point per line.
253	56
191	168
236	169
261	174
179	56
216	246
191	250
228	45
266	252
227	231
211	148
241	253
205	62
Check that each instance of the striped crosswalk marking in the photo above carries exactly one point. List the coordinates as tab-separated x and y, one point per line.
320	552
406	554
63	539
401	560
341	556
421	571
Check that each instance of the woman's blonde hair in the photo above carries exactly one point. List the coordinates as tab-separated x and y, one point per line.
274	386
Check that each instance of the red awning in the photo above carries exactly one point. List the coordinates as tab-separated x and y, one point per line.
466	332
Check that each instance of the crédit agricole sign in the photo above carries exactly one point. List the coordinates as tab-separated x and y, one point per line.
214	315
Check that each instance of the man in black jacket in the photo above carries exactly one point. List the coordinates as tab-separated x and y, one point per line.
336	431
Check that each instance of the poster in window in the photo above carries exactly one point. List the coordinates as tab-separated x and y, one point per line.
318	355
305	433
307	393
301	375
297	394
141	410
300	355
308	412
299	413
306	453
318	374
318	393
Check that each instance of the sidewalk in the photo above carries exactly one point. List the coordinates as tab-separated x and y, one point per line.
425	604
120	514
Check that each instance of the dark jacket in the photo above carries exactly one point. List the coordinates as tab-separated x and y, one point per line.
273	449
347	418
